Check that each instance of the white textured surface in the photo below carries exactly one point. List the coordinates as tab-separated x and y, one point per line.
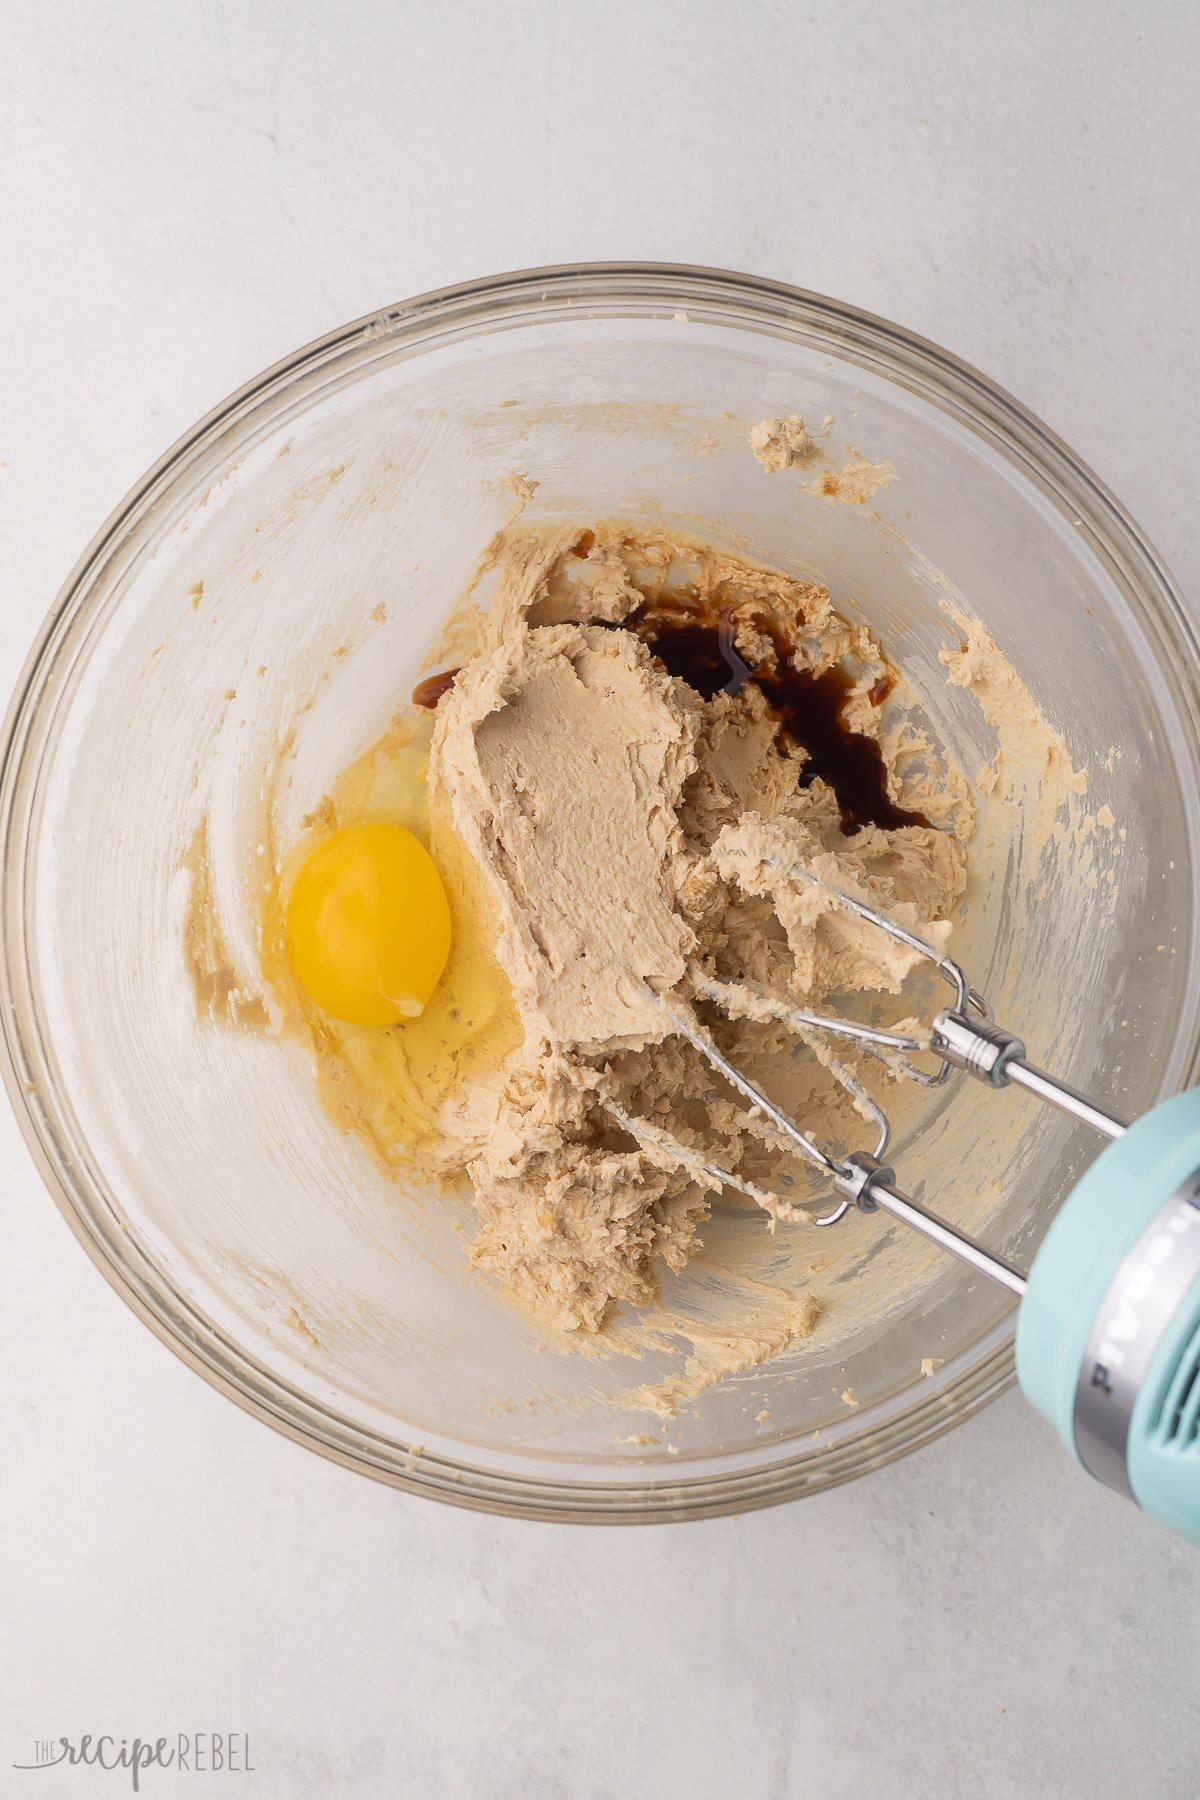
190	192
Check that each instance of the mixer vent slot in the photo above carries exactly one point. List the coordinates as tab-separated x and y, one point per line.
1179	1422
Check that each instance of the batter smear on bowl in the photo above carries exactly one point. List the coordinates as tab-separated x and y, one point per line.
649	732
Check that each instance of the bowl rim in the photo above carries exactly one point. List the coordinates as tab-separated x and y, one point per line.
466	308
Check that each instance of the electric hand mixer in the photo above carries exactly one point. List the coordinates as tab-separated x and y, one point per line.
1108	1332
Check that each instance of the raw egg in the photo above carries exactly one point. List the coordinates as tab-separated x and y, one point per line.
368	925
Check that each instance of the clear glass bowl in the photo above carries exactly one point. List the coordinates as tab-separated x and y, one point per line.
194	1164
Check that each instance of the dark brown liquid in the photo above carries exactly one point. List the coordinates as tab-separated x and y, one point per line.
696	643
427	693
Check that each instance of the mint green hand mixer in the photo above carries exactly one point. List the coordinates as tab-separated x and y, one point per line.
1108	1331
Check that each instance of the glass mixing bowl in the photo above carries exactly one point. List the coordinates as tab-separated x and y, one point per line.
220	628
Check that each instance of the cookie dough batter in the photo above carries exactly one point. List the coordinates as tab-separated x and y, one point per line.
625	738
634	836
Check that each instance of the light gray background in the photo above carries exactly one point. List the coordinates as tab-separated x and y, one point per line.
190	191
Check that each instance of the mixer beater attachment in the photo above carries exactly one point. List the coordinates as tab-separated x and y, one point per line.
963	1036
1108	1329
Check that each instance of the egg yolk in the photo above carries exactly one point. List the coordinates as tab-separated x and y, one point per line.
368	925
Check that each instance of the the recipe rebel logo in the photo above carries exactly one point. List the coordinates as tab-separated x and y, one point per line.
187	1753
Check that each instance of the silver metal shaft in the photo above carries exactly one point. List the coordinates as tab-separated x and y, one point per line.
949	1237
997	1057
1067	1099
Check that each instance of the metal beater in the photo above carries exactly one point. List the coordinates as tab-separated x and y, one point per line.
1108	1332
